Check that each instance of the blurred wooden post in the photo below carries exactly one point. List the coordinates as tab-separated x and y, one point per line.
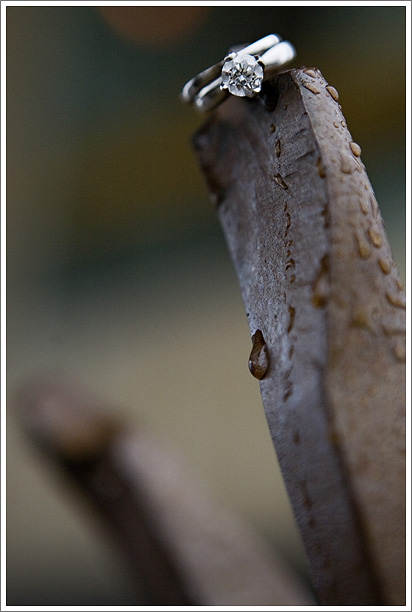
318	280
183	546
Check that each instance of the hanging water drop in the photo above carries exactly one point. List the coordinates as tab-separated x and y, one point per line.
259	358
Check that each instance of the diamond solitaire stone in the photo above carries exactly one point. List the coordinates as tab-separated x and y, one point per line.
242	75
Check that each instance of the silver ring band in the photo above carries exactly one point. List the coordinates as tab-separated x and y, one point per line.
241	73
193	87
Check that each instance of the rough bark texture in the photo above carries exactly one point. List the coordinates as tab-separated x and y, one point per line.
318	279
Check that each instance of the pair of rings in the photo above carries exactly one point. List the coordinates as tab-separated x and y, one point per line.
240	73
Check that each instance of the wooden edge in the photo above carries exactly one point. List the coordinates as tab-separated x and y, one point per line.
319	283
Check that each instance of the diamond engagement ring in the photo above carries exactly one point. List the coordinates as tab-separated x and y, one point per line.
241	73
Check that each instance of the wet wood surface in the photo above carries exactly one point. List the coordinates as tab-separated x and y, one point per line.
320	286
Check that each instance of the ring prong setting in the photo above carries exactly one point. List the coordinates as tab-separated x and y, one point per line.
242	74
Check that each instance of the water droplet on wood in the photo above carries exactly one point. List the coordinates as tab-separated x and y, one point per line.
333	92
396	300
363	247
321	168
355	148
400	352
310	72
375	237
259	358
364	206
311	87
385	265
374	206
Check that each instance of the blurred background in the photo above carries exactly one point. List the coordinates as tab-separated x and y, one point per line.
118	274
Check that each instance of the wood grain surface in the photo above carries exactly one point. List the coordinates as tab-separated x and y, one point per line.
319	282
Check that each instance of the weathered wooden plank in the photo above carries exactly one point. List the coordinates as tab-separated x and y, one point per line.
318	280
